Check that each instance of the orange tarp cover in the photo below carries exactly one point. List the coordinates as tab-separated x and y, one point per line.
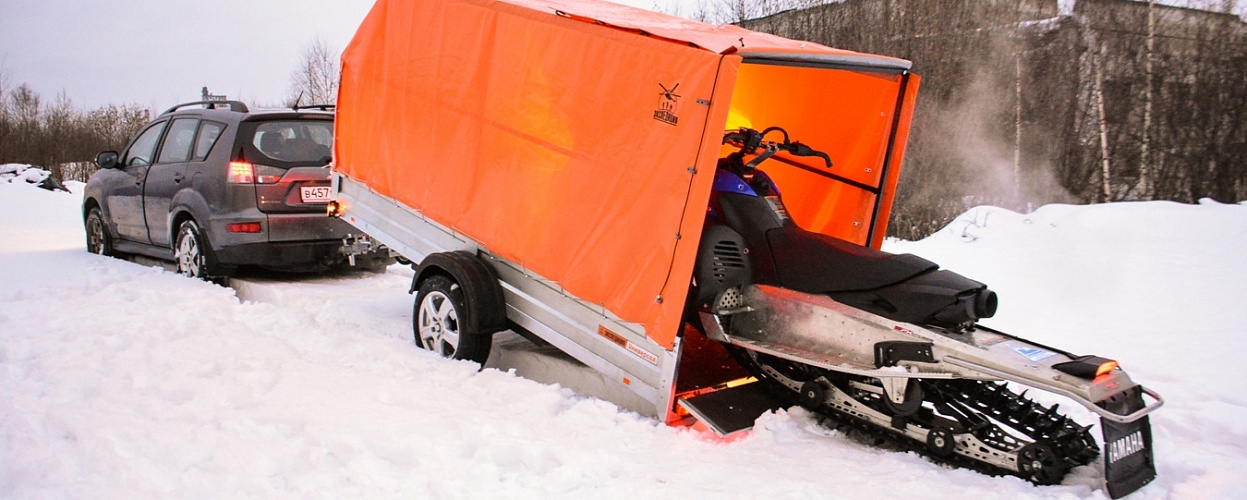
576	138
846	114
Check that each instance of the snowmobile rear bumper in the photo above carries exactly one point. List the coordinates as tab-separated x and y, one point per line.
1128	457
1105	415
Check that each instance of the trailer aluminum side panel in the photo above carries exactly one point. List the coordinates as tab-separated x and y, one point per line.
587	332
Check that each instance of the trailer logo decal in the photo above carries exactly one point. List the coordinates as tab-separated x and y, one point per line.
612	336
667	104
627	345
644	354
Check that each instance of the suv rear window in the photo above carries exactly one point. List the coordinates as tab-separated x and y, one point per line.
303	142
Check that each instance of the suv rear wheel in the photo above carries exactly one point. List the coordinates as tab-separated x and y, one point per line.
190	253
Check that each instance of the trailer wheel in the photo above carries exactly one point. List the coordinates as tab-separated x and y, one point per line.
441	324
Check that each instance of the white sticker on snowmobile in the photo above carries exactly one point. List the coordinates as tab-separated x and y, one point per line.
988	340
1030	352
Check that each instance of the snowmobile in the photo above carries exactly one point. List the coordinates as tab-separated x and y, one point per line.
891	343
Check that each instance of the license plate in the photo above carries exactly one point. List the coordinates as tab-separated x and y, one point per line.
317	194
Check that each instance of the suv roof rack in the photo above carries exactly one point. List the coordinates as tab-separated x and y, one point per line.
322	107
237	106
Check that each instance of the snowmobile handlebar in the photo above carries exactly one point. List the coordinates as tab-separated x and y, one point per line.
750	141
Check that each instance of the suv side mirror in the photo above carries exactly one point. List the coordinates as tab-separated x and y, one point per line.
107	159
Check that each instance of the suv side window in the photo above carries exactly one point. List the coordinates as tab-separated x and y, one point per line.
209	132
140	153
178	141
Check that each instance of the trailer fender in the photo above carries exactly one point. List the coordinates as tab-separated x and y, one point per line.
487	309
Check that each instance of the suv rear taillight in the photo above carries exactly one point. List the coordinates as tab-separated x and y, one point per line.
243	172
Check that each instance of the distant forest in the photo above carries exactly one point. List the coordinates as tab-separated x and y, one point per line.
65	139
1022	104
59	135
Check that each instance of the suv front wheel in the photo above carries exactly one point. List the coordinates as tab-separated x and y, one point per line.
98	241
191	253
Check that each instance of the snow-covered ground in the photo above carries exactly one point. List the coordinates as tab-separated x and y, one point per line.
124	381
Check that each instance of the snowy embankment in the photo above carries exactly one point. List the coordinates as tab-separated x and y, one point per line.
124	381
17	173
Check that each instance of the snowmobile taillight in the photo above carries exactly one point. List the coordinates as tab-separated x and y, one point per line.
1088	367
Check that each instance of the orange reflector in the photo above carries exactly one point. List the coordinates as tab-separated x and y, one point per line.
247	227
1106	367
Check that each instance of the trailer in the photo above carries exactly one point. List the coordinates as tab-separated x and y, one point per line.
592	175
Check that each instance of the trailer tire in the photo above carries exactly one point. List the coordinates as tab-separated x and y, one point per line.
441	323
482	291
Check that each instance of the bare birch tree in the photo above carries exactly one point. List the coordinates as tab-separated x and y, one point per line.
316	79
1145	189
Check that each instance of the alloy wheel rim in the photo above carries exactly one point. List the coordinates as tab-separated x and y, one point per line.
439	324
188	254
95	236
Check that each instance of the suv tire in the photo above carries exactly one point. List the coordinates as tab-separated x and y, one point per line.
190	252
98	241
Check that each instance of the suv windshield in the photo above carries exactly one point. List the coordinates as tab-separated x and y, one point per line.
299	142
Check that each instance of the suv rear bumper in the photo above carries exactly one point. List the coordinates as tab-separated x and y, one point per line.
307	227
286	256
307	242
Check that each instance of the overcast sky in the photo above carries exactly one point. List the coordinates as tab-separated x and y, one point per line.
158	53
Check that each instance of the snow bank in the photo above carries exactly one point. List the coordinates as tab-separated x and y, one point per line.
11	173
124	381
17	172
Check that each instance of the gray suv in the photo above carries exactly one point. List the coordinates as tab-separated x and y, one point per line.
213	186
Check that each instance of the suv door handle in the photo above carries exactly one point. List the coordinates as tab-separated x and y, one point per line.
177	177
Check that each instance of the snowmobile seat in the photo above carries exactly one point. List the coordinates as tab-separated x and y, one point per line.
815	263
